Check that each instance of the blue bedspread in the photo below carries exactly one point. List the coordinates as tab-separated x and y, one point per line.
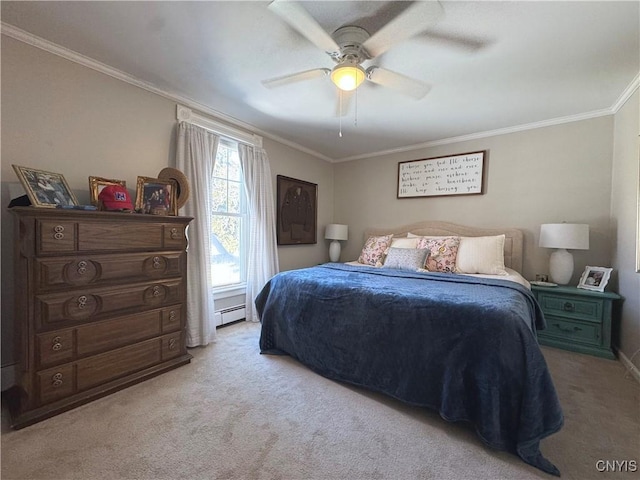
463	346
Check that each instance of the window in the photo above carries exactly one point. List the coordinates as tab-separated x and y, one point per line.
230	218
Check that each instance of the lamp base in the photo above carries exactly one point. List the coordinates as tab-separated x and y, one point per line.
561	266
334	251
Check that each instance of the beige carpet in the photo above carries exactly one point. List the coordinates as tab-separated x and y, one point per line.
235	414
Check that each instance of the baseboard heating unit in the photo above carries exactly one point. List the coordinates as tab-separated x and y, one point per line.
228	315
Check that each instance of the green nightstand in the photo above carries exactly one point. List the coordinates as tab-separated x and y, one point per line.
577	319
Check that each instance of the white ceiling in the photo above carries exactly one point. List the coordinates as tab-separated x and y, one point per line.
491	65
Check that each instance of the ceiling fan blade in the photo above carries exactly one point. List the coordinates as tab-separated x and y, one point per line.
295	77
417	18
456	41
299	19
403	84
343	101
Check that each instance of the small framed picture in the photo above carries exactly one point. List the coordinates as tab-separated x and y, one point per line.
45	189
96	184
156	196
595	278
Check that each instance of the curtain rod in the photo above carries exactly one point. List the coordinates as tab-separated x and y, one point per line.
184	114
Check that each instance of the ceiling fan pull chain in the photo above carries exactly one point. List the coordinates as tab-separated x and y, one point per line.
340	112
355	117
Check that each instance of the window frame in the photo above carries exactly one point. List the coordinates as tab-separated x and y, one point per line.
232	289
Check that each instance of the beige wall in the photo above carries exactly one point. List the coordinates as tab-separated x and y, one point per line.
546	175
624	213
60	116
293	163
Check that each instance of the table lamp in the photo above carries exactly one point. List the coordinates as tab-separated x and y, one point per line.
563	236
335	232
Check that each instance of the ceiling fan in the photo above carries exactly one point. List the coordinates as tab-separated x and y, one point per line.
350	46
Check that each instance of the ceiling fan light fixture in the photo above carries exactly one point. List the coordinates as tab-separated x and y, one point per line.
347	77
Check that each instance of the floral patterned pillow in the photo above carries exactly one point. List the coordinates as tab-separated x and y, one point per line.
374	250
442	253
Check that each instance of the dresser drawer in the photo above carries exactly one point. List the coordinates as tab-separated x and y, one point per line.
172	345
172	319
61	346
55	347
56	236
61	272
101	368
68	236
92	304
571	307
55	383
573	331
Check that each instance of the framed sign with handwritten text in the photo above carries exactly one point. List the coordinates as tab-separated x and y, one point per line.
461	174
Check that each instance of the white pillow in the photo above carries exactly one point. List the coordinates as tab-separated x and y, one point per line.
404	242
481	255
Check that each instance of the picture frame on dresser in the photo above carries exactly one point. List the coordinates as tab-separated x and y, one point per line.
595	278
156	196
96	184
45	189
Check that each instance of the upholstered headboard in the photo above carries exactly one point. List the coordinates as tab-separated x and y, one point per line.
513	243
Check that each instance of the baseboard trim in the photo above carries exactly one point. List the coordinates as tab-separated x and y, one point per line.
629	366
8	377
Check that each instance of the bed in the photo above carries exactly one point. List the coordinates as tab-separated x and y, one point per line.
462	344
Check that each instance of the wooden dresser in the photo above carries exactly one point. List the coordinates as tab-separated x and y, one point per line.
100	305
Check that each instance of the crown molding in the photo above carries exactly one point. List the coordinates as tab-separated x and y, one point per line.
489	133
630	90
35	41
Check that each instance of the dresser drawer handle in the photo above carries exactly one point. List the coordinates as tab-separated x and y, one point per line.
56	380
172	315
174	233
156	262
82	267
567	330
82	301
57	232
56	346
568	307
172	344
156	291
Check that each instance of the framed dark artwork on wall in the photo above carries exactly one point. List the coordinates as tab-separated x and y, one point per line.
297	211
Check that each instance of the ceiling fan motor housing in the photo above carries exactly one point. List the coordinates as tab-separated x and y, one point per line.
350	40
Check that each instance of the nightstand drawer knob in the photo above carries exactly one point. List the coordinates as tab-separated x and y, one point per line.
568	307
567	330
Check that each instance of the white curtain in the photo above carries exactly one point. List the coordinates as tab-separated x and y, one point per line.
263	250
195	157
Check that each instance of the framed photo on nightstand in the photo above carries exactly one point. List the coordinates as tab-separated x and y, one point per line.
595	278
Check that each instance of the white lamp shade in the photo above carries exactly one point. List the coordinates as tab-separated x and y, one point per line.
335	231
573	236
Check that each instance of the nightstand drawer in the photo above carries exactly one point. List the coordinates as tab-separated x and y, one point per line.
571	307
569	330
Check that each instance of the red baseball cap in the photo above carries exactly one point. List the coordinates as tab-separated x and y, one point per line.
115	197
